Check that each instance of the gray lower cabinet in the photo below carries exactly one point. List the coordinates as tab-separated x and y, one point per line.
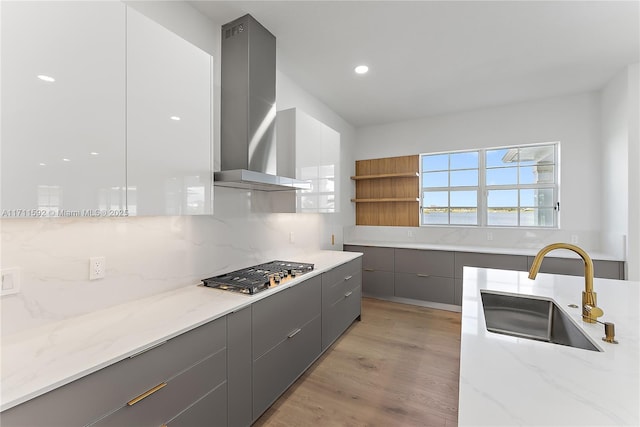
575	267
107	391
436	276
286	340
194	415
425	275
178	393
341	300
377	269
425	288
239	366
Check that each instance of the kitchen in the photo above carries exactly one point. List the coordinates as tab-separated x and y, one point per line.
149	255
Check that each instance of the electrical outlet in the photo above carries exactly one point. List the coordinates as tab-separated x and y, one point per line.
10	281
410	233
489	235
291	237
97	268
574	239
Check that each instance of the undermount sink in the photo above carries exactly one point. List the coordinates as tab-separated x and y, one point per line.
532	317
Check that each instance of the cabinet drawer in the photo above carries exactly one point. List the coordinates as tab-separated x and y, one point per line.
179	393
430	288
94	395
375	258
337	316
334	291
342	272
436	263
211	410
378	283
276	316
276	370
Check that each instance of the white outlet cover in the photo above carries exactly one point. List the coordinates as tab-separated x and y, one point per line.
10	281
97	268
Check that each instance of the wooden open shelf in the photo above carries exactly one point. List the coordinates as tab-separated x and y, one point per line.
395	199
386	175
388	191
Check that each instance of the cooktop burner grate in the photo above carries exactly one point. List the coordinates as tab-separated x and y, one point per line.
258	278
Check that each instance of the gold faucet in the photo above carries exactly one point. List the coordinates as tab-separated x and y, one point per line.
590	310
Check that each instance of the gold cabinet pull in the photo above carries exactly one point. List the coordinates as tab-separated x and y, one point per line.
146	394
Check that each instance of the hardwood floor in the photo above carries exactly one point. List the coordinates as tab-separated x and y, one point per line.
399	366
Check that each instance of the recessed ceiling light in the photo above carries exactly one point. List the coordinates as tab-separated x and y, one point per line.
176	118
43	164
361	69
44	78
93	153
66	160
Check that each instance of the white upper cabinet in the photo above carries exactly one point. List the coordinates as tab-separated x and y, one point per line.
310	150
63	108
169	116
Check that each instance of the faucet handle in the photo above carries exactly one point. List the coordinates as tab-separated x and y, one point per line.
591	313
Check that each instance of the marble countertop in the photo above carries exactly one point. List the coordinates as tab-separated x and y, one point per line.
480	249
511	381
41	359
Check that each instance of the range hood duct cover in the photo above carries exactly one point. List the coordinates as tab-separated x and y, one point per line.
248	109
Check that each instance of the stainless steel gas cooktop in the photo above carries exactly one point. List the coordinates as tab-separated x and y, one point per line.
258	278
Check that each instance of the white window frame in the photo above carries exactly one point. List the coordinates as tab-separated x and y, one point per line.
483	189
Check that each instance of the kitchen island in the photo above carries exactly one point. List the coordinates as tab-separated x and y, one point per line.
505	380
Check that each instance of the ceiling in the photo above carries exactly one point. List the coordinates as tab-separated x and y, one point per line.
435	57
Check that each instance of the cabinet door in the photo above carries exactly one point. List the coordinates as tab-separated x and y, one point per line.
63	108
277	369
338	314
239	367
575	267
310	150
277	316
426	288
169	116
378	283
201	412
503	262
435	263
177	394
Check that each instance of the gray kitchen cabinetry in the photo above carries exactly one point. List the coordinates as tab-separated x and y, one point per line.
239	364
474	259
341	300
436	276
424	275
377	270
575	267
286	340
106	397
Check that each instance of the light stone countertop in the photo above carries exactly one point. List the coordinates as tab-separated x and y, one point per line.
42	359
480	249
508	381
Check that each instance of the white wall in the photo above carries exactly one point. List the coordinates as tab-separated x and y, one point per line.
615	152
633	242
148	255
573	120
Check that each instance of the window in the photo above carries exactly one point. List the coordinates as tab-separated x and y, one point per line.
509	186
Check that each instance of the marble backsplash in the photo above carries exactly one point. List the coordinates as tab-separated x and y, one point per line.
144	255
592	241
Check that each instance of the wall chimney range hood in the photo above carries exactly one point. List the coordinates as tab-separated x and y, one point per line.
248	110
